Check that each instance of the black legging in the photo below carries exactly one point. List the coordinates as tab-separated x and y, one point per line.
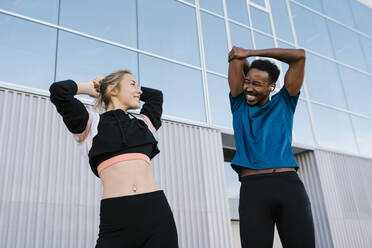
275	198
143	220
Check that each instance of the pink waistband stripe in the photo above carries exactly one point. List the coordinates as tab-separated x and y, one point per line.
122	157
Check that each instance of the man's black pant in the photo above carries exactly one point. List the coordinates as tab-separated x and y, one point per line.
275	198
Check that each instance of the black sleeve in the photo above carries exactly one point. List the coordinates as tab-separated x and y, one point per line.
153	106
74	113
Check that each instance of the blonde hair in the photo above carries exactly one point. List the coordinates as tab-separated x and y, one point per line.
114	78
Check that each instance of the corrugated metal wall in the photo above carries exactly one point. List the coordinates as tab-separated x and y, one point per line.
50	198
310	176
347	187
190	169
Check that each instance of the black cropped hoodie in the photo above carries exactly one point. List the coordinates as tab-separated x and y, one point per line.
113	133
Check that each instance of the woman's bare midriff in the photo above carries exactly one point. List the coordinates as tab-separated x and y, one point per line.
127	178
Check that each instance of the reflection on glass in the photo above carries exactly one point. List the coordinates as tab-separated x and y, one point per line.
283	71
240	36
285	66
340	11
82	59
46	10
362	16
301	125
284	45
212	5
358	88
168	28
215	43
115	21
281	20
182	87
263	41
259	2
260	20
347	46
232	182
237	10
218	90
314	4
333	129
311	30
323	81
27	52
367	50
363	133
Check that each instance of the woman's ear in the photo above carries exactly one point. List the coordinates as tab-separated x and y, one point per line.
112	90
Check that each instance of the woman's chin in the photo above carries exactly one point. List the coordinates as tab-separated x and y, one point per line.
135	106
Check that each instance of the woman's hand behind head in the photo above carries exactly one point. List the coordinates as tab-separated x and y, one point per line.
94	85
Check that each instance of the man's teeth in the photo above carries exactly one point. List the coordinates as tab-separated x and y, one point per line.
250	97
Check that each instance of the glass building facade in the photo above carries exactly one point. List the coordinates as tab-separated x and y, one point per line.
181	46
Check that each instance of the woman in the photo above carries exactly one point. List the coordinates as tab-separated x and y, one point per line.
134	211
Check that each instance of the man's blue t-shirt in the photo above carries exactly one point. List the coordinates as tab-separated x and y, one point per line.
263	134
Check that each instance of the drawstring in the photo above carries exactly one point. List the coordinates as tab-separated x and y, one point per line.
140	124
131	115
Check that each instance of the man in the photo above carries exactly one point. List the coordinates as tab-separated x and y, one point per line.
271	191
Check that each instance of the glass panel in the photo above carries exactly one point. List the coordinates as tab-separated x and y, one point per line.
284	45
311	30
82	59
281	20
314	4
260	20
212	5
358	89
259	2
240	36
367	50
302	125
163	26
115	21
27	52
215	43
218	90
363	132
285	66
232	182
347	46
324	87
333	129
182	87
362	16
340	11
237	10
46	10
263	41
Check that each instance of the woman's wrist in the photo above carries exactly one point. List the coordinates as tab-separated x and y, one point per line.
84	87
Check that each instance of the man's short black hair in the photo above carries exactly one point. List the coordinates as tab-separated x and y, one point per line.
268	66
